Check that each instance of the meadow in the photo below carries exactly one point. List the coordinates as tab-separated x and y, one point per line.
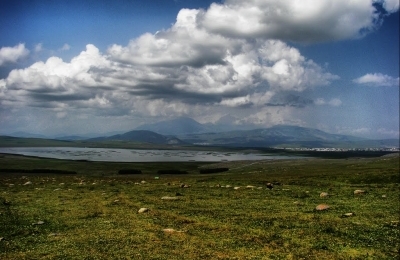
59	209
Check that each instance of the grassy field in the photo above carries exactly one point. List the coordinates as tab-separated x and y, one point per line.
93	214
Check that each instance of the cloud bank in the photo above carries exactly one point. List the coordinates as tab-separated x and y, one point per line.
232	55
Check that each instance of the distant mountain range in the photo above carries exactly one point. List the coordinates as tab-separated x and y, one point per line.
178	126
187	125
186	131
285	136
141	136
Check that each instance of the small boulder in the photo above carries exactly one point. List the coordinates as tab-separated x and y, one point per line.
270	185
347	215
323	195
171	230
143	210
169	198
359	192
322	207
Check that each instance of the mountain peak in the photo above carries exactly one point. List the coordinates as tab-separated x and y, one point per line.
180	125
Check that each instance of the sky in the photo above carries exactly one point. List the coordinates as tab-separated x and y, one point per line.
98	66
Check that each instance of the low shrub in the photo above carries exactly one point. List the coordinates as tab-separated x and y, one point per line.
129	171
213	170
172	172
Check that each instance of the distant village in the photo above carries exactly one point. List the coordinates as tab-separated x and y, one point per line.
386	149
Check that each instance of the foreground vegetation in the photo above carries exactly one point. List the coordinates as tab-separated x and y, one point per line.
93	214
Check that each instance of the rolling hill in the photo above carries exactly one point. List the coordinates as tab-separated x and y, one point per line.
141	136
284	136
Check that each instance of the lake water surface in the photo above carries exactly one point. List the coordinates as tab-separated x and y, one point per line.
130	155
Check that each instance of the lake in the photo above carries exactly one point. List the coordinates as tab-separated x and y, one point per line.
132	155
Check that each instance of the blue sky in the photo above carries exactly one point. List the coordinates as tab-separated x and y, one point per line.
76	67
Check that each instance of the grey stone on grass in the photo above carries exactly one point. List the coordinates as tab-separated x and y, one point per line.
359	192
143	210
169	198
347	215
171	230
324	195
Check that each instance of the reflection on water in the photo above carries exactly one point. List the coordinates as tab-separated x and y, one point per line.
128	155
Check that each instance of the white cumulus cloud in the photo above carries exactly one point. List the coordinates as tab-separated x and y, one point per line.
13	54
377	80
335	102
299	21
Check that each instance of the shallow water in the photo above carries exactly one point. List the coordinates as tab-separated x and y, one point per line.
131	155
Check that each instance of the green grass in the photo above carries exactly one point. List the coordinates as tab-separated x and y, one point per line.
93	214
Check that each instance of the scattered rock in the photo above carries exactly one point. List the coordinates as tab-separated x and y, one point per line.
169	198
1	238
270	185
322	207
10	185
143	210
359	192
38	223
236	188
171	230
228	186
27	183
324	195
384	196
250	187
347	215
143	182
54	234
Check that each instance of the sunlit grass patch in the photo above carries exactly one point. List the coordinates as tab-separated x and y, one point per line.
96	216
